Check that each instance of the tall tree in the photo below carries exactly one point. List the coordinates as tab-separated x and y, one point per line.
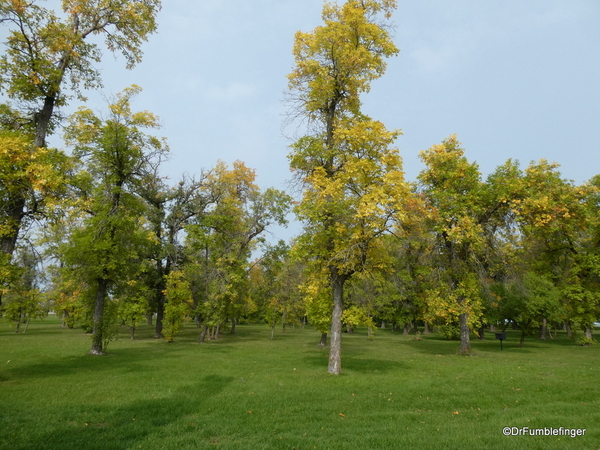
118	156
45	51
354	184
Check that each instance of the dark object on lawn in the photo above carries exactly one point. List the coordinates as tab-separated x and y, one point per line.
501	336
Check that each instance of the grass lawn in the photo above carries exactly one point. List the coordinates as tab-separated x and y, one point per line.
248	392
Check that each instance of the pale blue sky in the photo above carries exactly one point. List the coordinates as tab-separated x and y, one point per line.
513	79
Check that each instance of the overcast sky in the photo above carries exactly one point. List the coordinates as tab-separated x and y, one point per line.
513	79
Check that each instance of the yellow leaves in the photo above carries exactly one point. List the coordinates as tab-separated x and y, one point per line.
343	55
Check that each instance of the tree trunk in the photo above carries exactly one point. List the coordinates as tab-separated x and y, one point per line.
568	328
18	326
522	343
544	329
27	324
481	332
233	324
98	331
323	341
588	332
160	315
426	329
272	332
132	332
283	321
335	349
42	120
407	328
383	324
203	334
149	317
465	340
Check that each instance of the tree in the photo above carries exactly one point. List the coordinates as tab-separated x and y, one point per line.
31	184
25	300
353	180
179	303
465	214
105	249
222	239
44	52
169	211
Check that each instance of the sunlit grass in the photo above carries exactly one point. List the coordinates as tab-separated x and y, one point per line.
248	392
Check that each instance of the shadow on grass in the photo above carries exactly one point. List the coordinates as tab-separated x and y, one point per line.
357	364
107	428
119	360
437	345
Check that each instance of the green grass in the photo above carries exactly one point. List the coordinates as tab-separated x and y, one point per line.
247	392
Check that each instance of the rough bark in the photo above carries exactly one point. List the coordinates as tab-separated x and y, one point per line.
335	349
42	121
97	333
465	340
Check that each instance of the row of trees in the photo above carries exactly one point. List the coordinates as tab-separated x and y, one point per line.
122	246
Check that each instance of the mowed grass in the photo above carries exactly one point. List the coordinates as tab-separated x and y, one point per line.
248	392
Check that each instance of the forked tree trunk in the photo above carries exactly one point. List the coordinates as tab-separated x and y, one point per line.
98	331
465	340
202	336
18	326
